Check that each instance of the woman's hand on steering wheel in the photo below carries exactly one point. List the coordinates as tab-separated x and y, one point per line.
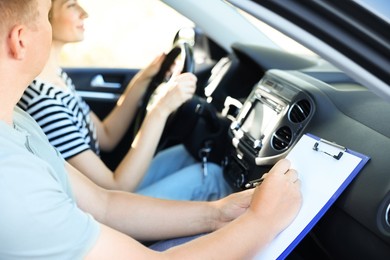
180	50
146	75
171	95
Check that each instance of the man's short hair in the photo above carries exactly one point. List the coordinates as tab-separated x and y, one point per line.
14	12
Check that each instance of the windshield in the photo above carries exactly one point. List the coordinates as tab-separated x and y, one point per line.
281	40
378	7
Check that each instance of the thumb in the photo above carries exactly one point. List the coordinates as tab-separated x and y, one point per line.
176	72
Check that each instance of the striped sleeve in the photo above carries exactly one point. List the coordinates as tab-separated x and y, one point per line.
60	116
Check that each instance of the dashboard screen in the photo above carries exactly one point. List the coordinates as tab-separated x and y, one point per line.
258	119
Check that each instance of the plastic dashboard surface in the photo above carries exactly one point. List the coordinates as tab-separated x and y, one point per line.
270	122
338	112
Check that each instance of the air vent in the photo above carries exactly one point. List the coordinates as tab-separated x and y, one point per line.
300	111
282	138
269	83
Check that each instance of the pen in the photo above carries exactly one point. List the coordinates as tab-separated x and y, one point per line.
254	183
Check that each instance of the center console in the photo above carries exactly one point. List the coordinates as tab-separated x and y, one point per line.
268	124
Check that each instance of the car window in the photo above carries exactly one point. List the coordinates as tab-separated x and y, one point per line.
280	39
379	7
124	34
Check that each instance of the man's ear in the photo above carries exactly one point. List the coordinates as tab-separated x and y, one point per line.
17	42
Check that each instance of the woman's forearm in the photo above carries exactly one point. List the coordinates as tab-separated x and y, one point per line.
112	129
115	125
132	168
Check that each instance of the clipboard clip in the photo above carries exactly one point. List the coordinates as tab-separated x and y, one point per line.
335	156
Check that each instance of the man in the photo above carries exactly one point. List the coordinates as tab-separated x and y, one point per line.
51	211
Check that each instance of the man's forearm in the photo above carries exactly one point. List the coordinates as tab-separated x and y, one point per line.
146	218
240	239
141	217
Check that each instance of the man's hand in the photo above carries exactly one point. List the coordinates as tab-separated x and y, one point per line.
278	199
232	206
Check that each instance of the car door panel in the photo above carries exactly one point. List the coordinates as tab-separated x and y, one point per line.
101	87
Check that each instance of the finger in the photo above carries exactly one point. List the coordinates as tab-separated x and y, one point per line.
191	76
191	88
187	82
157	61
281	167
292	175
176	71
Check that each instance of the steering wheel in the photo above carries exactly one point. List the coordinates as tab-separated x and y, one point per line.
179	49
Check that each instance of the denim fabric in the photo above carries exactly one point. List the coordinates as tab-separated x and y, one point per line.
166	244
175	174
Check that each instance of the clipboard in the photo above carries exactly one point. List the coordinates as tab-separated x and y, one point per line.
325	170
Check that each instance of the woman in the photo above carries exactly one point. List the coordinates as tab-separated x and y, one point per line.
79	134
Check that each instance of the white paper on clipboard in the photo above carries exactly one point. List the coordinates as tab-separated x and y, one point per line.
323	178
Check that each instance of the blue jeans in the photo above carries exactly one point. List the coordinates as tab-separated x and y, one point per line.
166	244
175	174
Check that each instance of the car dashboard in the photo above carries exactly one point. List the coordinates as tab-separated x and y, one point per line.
269	123
270	105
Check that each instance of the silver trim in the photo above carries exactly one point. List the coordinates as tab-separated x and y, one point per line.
98	95
387	212
99	82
